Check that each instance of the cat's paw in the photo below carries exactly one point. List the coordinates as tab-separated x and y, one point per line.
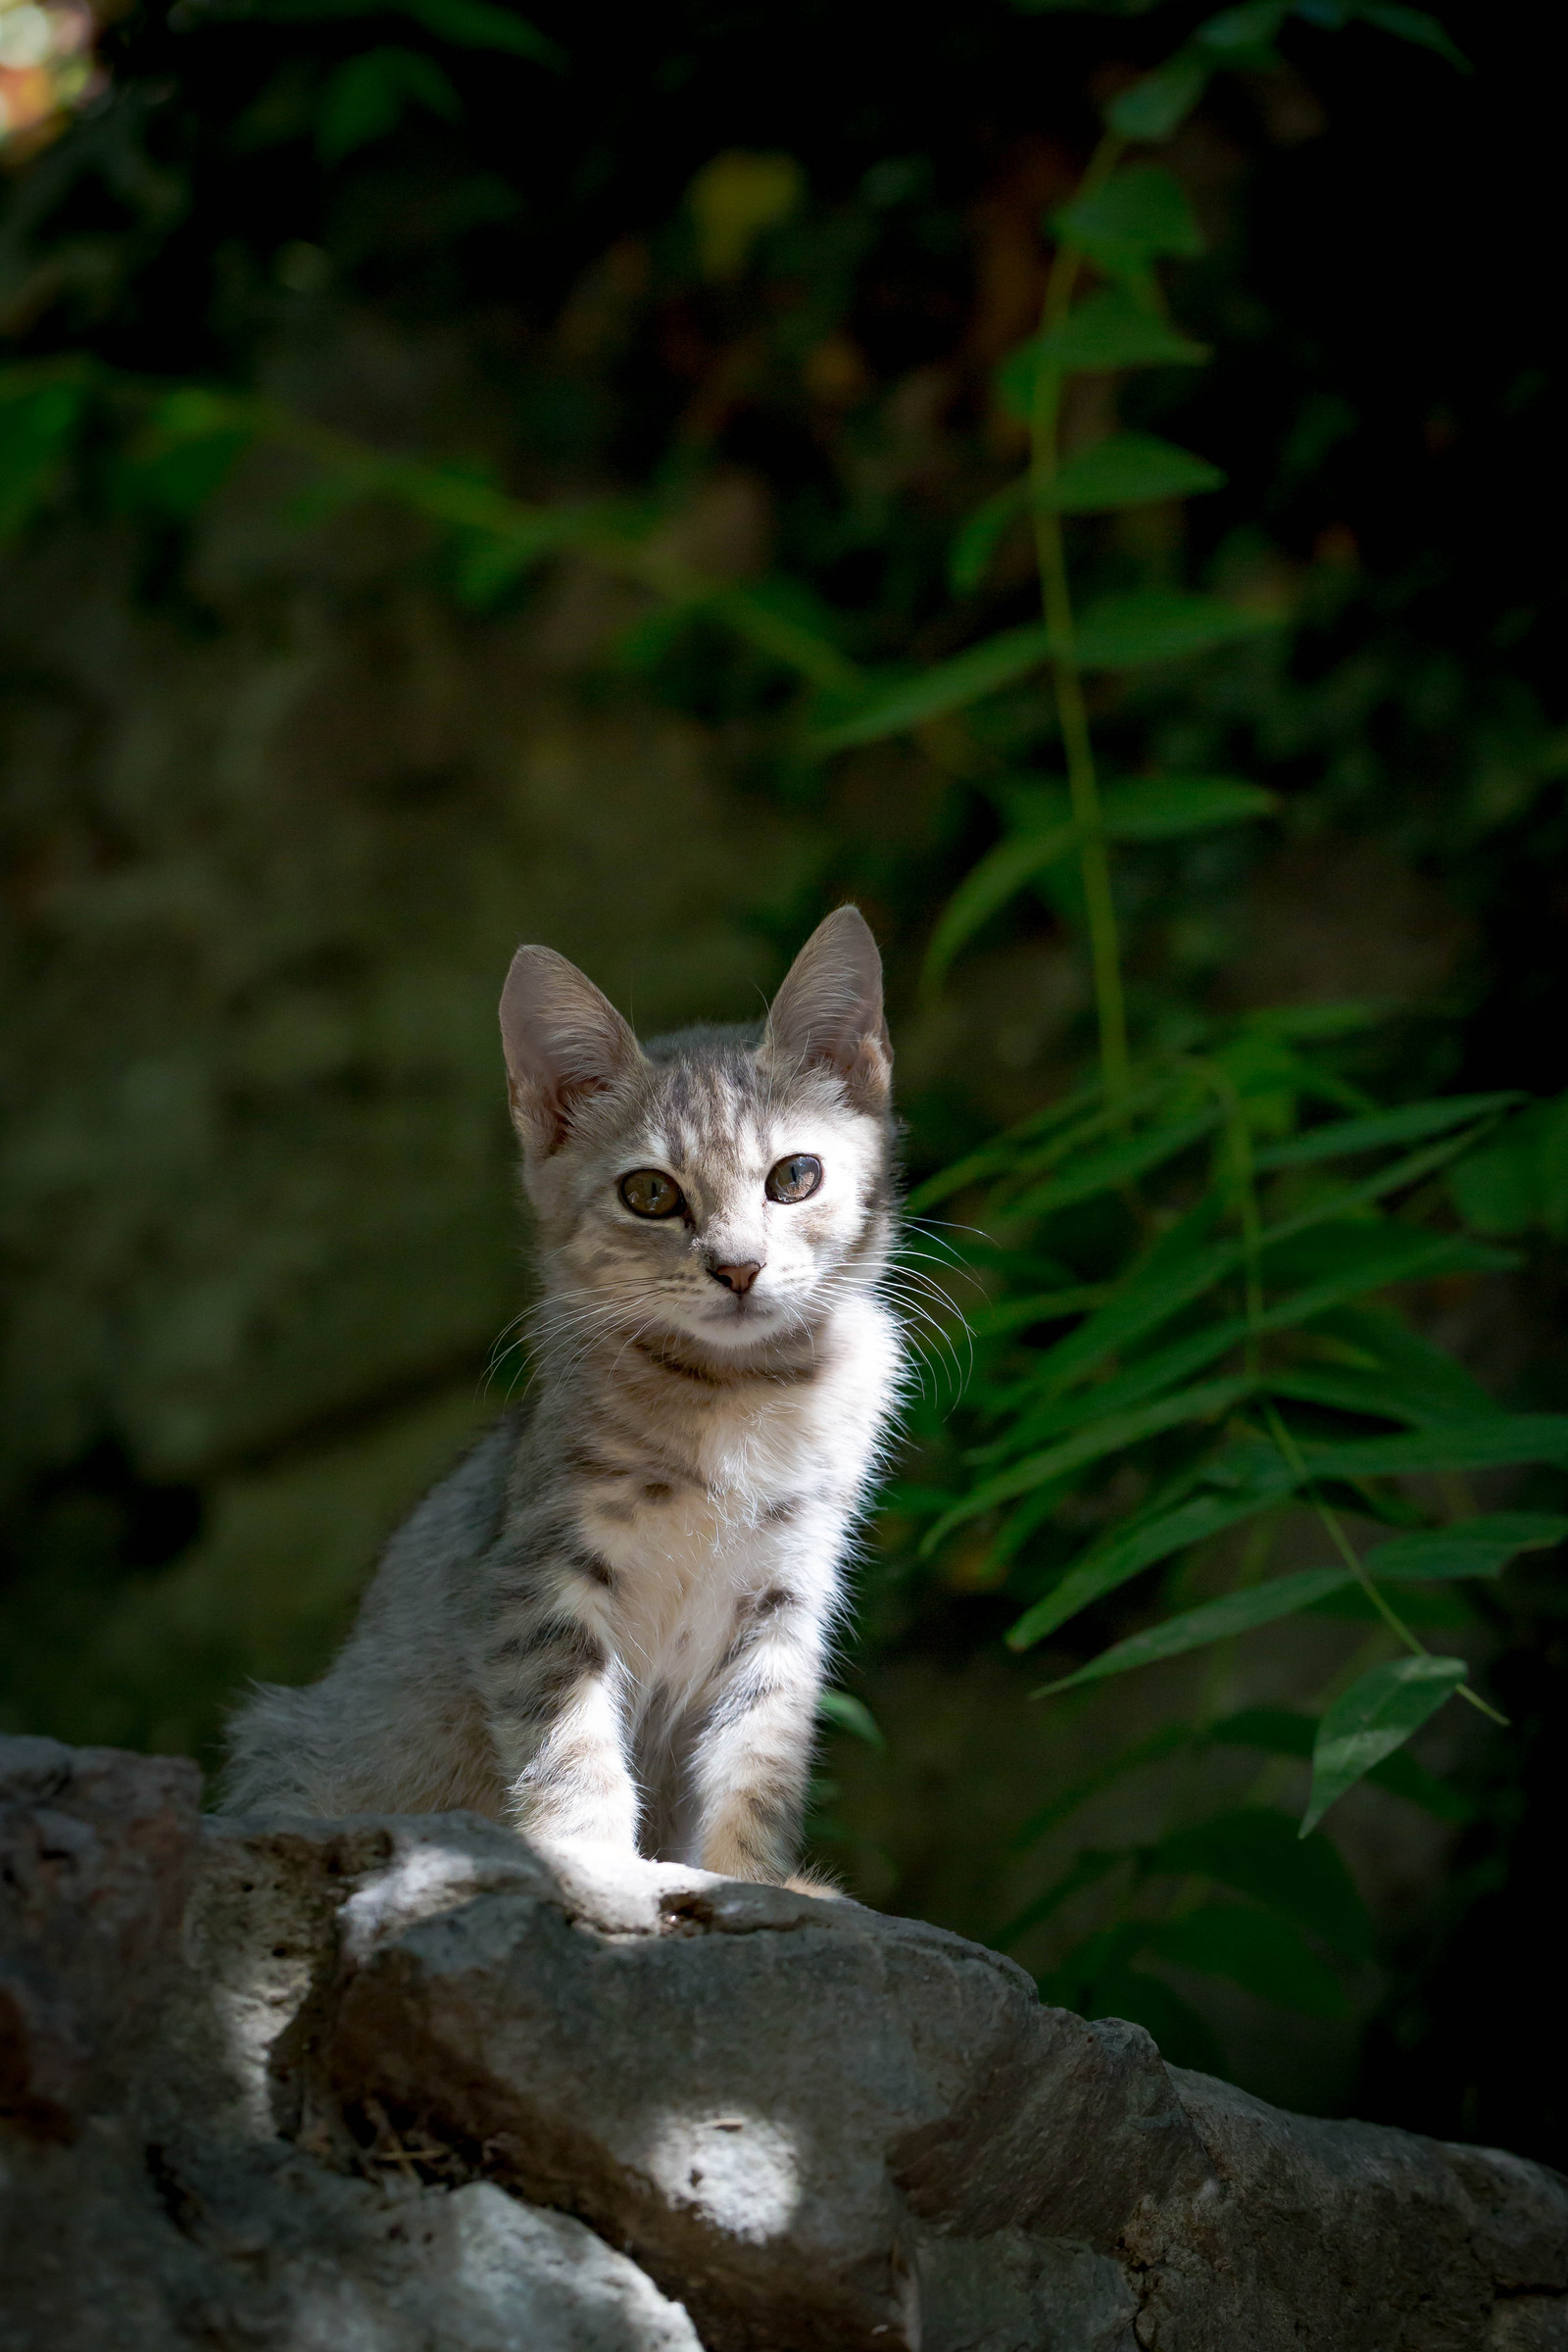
615	1887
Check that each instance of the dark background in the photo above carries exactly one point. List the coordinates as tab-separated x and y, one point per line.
283	788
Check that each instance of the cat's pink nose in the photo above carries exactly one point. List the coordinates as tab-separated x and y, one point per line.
738	1279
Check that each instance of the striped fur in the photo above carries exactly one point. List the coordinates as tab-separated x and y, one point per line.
612	1622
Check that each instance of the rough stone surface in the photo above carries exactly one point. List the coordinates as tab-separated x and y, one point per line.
396	2084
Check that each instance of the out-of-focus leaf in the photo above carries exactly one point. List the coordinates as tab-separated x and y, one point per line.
1162	807
1109	332
1237	30
1116	1559
1203	1404
1043	1307
1344	1137
1498	1442
1256	1949
1253	1850
1469	1547
1347	1390
1129	469
1160	625
1370	1720
465	24
998	661
38	421
983	533
1087	1869
1116	1164
1162	1743
988	886
367	96
1519	1177
1183	2037
734	200
847	1713
1159	104
1414	25
1134	218
1423	1372
1215	1621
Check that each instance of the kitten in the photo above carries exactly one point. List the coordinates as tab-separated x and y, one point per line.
610	1622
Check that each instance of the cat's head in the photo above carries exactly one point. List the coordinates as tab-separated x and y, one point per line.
722	1185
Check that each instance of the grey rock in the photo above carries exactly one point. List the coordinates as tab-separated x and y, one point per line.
407	2083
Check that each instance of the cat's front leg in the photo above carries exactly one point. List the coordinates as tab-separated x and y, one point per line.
556	1699
754	1751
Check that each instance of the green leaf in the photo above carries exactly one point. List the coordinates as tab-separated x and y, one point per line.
1281	1732
37	424
366	97
1136	217
1129	469
1043	1307
1110	1435
983	533
1262	1953
1520	1176
1109	331
1469	1547
1116	1559
1159	104
1236	31
1379	1338
998	661
1254	1851
1162	808
1342	1137
465	24
1415	25
1497	1442
1116	1164
1215	1621
987	887
1160	625
847	1713
1349	1391
1370	1720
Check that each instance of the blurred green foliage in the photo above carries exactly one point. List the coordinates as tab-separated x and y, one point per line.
818	278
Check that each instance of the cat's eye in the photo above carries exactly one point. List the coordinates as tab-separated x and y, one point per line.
650	1192
793	1179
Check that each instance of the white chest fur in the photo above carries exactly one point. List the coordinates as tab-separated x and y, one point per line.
769	1479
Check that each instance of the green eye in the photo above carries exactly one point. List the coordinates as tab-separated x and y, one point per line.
795	1179
649	1193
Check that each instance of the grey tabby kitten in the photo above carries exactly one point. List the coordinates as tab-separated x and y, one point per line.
610	1622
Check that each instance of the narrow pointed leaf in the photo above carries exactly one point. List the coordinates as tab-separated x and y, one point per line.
1405	1125
1160	625
847	1713
1262	1953
1144	1378
1216	1621
1115	1561
988	886
1370	1720
1470	1547
1129	469
1166	806
1117	1164
1494	1444
1110	1435
1281	1732
998	661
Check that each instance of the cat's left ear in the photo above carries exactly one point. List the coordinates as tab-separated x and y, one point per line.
829	1014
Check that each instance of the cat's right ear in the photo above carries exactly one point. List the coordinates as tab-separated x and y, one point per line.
564	1041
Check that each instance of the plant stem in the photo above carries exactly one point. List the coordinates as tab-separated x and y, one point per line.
1105	949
